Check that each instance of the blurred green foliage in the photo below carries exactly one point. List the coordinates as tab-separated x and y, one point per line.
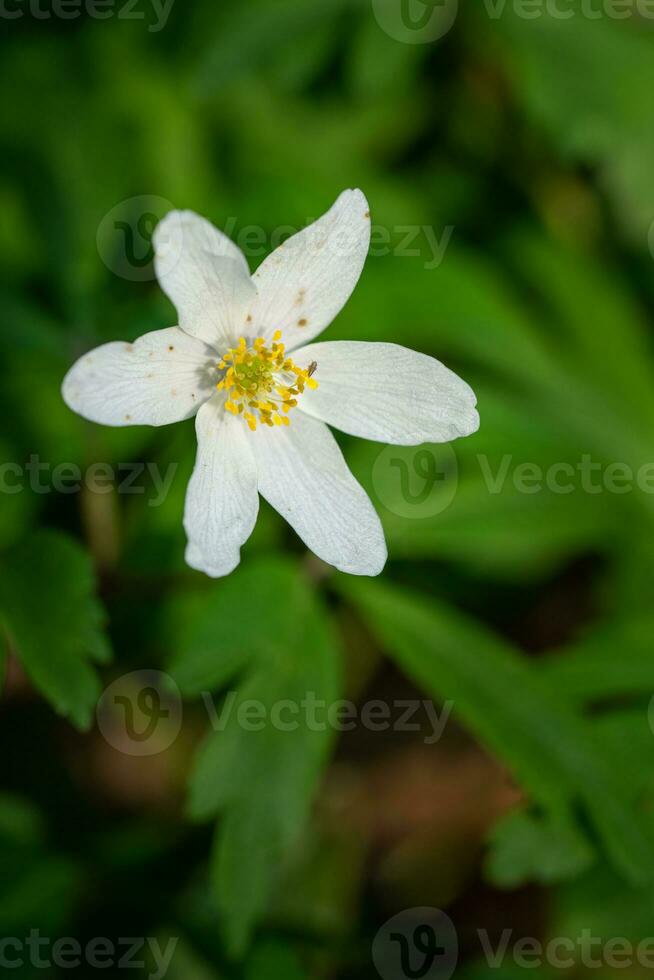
518	155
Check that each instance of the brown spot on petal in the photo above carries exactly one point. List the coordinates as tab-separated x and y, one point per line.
367	214
248	318
300	296
128	418
303	322
170	347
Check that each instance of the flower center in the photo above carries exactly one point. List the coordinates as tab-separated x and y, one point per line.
263	383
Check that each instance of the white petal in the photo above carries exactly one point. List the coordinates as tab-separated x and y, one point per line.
303	475
222	501
387	393
310	277
205	275
162	377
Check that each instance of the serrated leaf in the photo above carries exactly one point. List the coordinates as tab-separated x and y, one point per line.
54	621
258	768
554	754
239	619
526	846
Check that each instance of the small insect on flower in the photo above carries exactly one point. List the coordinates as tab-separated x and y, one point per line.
235	362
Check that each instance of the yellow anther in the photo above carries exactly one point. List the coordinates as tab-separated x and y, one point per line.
263	380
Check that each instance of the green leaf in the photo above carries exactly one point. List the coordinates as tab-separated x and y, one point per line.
188	963
273	960
627	734
37	887
240	619
597	316
38	893
259	767
466	308
20	821
476	512
580	80
526	846
590	670
243	42
54	621
555	754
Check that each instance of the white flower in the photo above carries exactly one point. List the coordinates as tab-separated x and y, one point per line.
243	363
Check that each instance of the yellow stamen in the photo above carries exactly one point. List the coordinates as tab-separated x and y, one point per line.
264	380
